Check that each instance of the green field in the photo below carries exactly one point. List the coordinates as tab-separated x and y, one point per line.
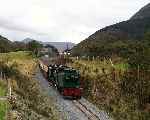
15	55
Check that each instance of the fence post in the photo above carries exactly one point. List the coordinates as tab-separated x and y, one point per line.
1	75
93	58
140	86
9	88
88	58
104	62
77	58
111	62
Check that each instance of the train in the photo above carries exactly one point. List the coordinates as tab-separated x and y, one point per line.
65	79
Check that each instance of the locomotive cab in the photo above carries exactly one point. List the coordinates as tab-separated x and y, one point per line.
69	82
71	78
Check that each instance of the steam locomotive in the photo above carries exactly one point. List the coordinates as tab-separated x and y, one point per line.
65	79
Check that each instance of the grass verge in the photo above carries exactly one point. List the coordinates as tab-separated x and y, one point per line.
28	102
3	104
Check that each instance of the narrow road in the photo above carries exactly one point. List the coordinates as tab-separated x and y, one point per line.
72	109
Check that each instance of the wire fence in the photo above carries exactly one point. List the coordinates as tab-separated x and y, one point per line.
130	83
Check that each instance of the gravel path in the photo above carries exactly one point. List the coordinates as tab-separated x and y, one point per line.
66	107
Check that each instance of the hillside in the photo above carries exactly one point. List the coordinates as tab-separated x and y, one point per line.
61	46
132	29
143	13
3	43
9	46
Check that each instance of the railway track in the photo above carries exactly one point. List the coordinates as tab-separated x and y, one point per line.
87	112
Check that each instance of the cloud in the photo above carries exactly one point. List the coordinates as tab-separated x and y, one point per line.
62	20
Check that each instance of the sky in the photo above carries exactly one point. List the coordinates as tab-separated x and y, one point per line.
62	20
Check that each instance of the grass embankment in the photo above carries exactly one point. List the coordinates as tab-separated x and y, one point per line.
30	102
3	104
98	79
104	86
3	88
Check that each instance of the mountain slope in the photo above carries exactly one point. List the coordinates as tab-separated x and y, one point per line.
133	29
143	13
5	45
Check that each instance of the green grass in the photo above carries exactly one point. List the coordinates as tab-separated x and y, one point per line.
122	66
21	55
3	109
2	88
3	104
2	91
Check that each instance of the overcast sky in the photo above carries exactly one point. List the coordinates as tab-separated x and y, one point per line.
62	20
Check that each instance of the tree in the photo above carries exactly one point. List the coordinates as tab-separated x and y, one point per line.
19	46
34	46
